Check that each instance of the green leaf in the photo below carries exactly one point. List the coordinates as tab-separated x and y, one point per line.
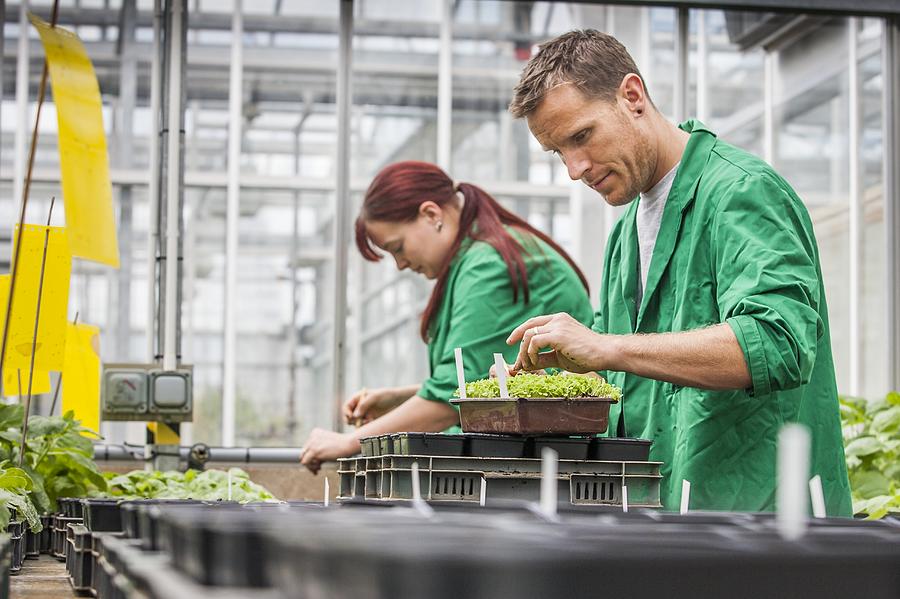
38	495
870	483
863	446
42	426
11	416
887	420
893	398
15	479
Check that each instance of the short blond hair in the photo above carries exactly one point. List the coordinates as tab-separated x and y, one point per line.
592	61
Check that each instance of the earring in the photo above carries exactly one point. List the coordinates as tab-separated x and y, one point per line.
439	226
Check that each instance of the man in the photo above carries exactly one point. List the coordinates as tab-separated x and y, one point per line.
712	314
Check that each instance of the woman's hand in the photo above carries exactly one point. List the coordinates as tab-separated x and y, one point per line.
368	404
327	446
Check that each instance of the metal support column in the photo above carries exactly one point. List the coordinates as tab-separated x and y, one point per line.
770	64
891	111
2	42
445	88
124	126
153	185
856	221
22	120
176	42
682	81
163	436
232	216
341	206
702	112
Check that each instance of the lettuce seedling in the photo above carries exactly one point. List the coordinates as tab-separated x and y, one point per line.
526	385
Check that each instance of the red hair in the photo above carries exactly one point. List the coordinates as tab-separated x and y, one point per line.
395	195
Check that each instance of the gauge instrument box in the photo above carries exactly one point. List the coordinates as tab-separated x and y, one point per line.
144	392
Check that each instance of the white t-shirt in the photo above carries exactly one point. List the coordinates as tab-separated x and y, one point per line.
649	215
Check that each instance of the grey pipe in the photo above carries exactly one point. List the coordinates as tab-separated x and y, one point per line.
244	455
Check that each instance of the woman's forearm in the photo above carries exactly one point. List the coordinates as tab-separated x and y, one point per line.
415	414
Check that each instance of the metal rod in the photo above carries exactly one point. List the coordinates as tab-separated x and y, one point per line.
26	188
287	455
37	321
341	206
59	380
232	218
174	37
153	183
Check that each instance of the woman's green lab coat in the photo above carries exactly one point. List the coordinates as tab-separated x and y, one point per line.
735	245
477	313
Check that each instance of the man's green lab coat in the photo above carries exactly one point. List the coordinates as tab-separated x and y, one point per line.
478	313
735	245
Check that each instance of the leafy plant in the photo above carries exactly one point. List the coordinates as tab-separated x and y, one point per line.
209	485
550	385
872	446
58	456
15	485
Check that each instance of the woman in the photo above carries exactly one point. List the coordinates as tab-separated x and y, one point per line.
492	270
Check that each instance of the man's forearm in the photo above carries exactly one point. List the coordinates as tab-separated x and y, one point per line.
709	358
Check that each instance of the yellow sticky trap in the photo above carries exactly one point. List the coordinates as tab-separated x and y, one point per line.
83	159
40	384
51	337
81	374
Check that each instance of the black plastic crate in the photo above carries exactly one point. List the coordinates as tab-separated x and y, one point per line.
619	449
484	445
429	444
79	559
46	534
568	448
16	530
102	515
60	528
32	544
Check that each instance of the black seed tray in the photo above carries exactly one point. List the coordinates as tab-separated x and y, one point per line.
618	449
429	444
568	448
46	533
70	507
385	445
484	445
102	515
217	547
366	446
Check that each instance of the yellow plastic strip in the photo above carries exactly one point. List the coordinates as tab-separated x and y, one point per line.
83	159
51	338
40	384
81	375
166	435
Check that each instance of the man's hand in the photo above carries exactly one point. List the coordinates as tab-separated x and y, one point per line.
325	446
573	346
